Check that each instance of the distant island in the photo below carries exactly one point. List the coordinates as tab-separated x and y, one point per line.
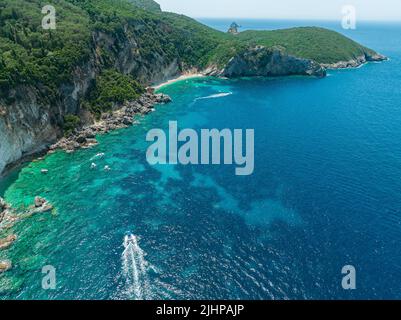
103	54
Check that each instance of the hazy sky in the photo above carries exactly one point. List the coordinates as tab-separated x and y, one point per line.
291	9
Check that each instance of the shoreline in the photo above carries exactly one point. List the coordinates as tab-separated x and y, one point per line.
98	127
341	65
85	137
182	77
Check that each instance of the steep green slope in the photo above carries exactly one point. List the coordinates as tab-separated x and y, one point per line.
47	58
321	45
146	5
31	55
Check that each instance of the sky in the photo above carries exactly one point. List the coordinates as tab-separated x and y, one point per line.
285	9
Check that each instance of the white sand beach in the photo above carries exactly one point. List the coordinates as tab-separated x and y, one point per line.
177	79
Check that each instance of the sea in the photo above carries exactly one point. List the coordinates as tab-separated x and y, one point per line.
325	193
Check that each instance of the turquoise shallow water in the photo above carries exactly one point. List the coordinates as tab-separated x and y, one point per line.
325	193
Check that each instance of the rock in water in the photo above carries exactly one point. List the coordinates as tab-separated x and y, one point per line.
39	202
3	205
3	209
5	265
45	208
7	242
41	205
163	98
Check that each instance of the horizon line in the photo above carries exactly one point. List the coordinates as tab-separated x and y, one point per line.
297	19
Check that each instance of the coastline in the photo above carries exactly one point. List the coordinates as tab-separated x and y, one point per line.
85	137
123	117
355	63
118	119
182	77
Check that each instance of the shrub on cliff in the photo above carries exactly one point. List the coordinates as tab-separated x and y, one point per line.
112	87
71	122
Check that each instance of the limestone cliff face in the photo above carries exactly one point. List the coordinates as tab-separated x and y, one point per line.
25	126
125	55
262	61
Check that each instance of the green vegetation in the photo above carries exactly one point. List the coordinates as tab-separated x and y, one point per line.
31	55
321	45
71	122
46	59
146	4
112	87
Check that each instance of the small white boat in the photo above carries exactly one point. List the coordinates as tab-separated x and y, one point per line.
130	239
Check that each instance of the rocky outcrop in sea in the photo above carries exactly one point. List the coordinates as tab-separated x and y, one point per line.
356	62
9	217
7	241
5	265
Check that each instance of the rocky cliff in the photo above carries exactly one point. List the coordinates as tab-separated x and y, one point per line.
26	126
268	62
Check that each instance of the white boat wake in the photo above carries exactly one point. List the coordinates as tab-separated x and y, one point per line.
215	96
141	279
99	155
135	269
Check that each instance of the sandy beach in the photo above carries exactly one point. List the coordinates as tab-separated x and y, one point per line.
177	79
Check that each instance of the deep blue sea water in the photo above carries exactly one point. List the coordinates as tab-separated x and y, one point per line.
326	192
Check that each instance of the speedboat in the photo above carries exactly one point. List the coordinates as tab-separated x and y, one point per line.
129	239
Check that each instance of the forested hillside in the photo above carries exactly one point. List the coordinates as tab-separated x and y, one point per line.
31	55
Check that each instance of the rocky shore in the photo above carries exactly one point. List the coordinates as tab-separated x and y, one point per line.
122	117
7	241
354	63
5	265
5	222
